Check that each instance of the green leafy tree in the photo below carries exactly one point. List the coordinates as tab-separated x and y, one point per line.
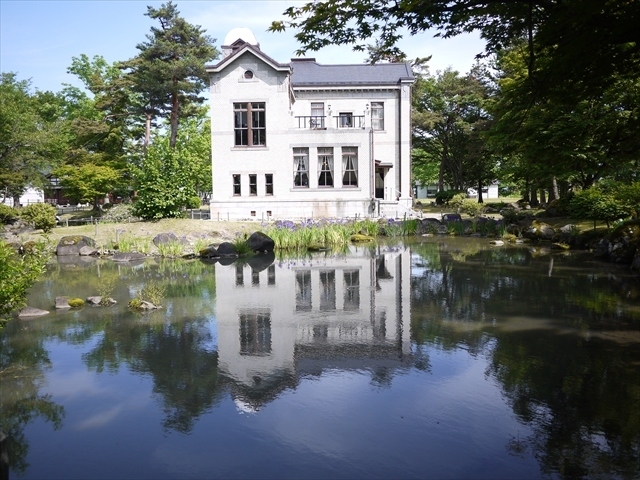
17	274
168	180
88	182
589	42
169	72
448	116
595	204
549	142
30	141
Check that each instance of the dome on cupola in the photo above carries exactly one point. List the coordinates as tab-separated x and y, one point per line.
240	33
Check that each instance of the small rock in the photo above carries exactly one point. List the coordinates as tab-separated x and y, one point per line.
62	303
32	312
86	251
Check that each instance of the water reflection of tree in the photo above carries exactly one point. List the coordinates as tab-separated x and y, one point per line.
177	355
22	361
174	346
580	396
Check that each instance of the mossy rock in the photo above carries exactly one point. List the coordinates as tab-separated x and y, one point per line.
75	302
71	244
360	238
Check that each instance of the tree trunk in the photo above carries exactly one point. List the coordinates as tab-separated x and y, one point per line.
480	200
527	186
534	197
147	130
175	106
543	199
554	190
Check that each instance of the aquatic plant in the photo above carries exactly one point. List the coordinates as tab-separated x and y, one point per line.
171	249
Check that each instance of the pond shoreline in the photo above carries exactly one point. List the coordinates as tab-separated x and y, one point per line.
618	246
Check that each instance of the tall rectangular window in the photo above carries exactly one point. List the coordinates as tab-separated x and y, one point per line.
345	120
253	184
317	115
303	291
301	167
268	183
349	166
255	334
250	124
325	166
377	115
327	290
239	275
236	185
351	290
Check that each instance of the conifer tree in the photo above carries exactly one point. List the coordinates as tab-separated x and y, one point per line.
169	72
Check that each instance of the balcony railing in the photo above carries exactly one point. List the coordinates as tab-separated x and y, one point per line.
349	121
314	122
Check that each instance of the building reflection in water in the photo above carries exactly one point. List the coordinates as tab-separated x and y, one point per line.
297	318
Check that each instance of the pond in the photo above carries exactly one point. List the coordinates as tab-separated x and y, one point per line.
435	358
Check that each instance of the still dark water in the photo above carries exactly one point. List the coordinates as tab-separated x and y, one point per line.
444	358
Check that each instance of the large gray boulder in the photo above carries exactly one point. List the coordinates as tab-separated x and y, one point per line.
226	249
164	238
209	251
539	231
260	242
72	244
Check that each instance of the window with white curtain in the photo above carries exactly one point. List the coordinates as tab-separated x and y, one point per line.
325	166
349	166
301	167
377	115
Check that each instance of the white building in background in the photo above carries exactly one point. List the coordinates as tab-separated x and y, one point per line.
429	191
301	139
31	195
352	315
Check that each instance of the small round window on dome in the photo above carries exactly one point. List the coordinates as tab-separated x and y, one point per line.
248	74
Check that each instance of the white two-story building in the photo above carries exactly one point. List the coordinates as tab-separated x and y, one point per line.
302	140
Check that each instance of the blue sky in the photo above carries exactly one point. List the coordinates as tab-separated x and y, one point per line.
38	38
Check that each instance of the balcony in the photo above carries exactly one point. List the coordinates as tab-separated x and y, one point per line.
342	122
311	122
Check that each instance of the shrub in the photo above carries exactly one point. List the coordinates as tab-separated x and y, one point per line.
8	214
120	213
17	274
629	196
193	202
466	205
153	292
594	204
40	215
444	196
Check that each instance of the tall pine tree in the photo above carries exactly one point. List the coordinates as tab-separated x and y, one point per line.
169	72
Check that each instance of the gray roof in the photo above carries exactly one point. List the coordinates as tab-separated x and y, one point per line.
308	73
